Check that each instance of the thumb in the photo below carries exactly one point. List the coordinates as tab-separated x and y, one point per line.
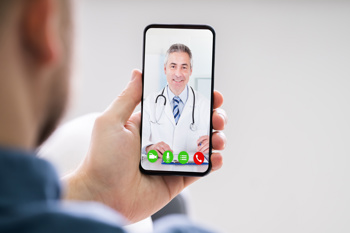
123	106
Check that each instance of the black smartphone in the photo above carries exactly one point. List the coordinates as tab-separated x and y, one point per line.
177	99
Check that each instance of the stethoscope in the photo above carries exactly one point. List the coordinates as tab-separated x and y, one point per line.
192	126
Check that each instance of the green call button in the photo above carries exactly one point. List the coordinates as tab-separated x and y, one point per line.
168	156
183	157
152	156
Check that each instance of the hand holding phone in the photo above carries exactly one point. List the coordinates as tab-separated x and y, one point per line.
108	173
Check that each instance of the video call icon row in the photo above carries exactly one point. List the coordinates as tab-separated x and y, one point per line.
168	157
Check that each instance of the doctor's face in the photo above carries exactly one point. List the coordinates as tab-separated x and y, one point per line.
178	71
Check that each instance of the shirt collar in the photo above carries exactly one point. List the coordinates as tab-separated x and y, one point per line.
183	96
26	178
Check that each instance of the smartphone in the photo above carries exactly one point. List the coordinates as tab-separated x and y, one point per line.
177	99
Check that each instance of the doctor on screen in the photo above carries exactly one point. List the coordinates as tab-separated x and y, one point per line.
177	118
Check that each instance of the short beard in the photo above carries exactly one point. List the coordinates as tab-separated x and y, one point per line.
56	109
50	125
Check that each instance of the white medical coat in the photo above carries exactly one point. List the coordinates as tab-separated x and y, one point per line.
178	136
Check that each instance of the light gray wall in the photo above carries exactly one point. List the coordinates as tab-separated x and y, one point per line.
284	69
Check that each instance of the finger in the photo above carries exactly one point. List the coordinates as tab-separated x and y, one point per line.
202	139
199	146
206	140
134	123
218	140
216	161
123	106
219	119
203	146
168	148
205	150
135	119
165	146
218	99
161	149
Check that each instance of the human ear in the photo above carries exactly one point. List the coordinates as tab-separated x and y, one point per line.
40	31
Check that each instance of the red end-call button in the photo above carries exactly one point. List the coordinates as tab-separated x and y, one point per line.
198	158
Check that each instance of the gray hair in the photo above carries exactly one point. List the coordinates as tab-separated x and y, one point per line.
178	48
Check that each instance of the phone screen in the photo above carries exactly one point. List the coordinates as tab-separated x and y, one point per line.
177	101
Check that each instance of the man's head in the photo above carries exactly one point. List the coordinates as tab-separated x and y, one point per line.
178	67
35	57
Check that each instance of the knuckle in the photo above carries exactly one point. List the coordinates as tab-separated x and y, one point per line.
100	120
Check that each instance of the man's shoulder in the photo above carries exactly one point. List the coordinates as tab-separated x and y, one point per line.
62	217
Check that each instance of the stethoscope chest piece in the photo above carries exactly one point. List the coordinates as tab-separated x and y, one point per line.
193	127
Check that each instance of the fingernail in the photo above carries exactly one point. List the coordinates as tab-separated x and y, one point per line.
134	73
219	112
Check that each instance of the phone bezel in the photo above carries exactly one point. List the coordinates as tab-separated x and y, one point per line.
179	26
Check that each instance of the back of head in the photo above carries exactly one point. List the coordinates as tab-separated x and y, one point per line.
7	7
35	54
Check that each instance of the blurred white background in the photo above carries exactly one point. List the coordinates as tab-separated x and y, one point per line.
284	69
